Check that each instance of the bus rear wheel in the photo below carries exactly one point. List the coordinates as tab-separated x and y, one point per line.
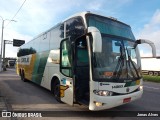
23	76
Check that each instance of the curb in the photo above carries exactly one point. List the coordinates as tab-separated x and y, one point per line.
5	107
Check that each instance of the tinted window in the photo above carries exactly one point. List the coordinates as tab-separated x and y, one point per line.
109	26
26	49
74	28
57	34
35	44
44	41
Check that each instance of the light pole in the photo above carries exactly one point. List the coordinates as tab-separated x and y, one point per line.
4	67
1	43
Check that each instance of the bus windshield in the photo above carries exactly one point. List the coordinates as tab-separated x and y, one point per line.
109	26
119	60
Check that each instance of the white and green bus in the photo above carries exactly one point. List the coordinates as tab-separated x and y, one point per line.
86	59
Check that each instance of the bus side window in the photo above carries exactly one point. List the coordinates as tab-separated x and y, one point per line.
66	58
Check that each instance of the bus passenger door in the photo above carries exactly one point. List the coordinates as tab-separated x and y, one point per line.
66	82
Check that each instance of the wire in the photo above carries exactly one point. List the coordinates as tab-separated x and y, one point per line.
16	13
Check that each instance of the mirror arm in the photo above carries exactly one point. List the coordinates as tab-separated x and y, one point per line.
140	41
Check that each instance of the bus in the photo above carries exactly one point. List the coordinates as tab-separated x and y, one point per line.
87	59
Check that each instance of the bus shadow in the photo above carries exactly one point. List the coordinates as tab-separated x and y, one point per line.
26	92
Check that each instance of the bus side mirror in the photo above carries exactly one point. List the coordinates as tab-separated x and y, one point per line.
140	41
97	39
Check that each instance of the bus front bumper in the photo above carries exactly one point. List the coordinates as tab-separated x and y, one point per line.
106	102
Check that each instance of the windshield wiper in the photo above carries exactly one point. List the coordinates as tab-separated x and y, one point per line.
132	63
120	64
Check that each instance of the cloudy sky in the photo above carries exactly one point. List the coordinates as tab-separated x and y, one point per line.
37	16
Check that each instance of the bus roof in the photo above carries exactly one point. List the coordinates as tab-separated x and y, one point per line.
82	14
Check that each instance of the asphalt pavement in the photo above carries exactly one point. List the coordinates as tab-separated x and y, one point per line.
3	100
4	106
16	95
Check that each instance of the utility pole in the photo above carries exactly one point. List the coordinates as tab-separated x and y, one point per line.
2	42
4	66
4	49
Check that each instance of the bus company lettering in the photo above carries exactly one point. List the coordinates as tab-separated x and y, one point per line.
25	60
117	86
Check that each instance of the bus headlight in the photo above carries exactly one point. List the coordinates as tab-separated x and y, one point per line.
98	104
140	87
103	92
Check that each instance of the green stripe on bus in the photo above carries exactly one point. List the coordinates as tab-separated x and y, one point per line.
39	66
132	83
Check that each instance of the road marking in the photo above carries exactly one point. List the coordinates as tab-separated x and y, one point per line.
151	87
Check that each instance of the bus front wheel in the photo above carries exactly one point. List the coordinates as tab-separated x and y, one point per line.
56	90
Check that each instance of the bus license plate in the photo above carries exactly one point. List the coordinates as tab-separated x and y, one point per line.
126	100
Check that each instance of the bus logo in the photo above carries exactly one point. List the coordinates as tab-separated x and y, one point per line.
101	84
127	89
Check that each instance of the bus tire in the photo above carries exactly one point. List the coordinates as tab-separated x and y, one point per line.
20	72
56	90
23	76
